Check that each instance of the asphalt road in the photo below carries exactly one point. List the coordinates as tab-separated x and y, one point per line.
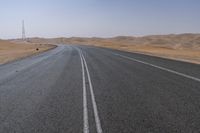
82	89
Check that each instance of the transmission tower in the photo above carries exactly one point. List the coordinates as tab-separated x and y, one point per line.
23	31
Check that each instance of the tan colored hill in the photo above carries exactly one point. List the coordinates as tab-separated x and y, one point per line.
182	41
181	47
10	51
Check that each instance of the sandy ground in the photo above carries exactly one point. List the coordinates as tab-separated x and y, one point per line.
184	47
12	51
186	55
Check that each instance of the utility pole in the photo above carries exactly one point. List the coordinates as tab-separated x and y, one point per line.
23	31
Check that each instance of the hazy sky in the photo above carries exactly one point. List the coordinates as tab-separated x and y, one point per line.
101	18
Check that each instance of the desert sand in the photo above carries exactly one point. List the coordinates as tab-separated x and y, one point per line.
10	51
184	47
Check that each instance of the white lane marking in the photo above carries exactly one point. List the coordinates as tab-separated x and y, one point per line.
96	115
159	67
85	110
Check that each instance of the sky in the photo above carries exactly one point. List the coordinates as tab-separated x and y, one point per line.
98	18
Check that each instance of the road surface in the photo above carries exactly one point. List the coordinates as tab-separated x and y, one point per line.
84	89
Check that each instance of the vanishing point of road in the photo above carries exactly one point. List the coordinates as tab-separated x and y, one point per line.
85	89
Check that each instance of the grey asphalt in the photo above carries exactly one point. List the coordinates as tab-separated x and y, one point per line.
134	93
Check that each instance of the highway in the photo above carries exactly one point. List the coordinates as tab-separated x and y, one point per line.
86	89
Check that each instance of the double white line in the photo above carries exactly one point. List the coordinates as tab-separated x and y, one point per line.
85	109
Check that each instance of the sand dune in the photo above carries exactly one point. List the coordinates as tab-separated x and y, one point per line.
182	41
182	47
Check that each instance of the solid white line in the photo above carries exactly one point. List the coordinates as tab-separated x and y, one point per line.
85	110
159	67
96	115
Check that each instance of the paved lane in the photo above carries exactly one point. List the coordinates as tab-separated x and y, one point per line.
87	89
135	97
44	96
